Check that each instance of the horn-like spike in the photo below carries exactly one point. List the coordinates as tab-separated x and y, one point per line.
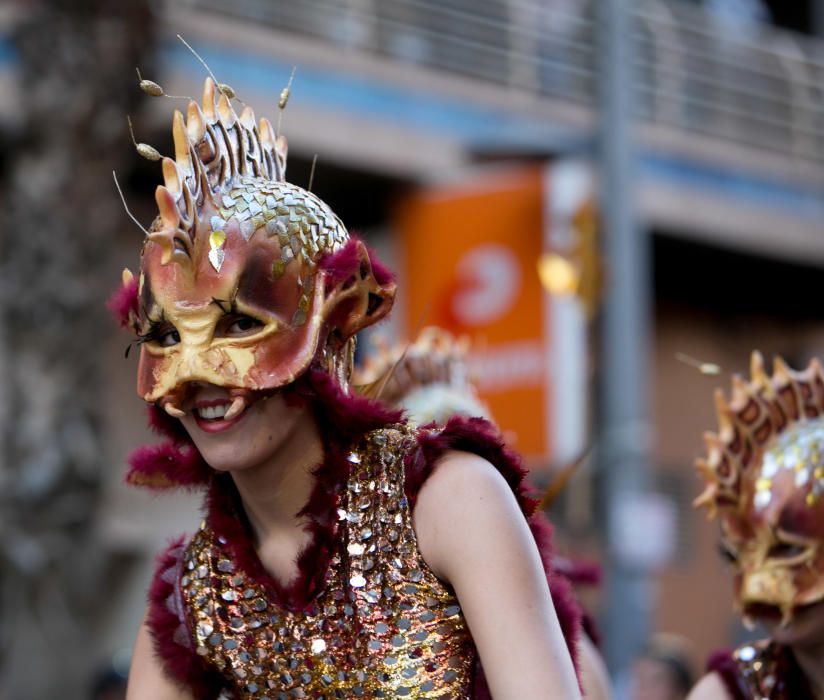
282	146
267	134
167	206
817	381
713	441
127	277
781	369
166	242
740	390
723	409
707	498
171	177
195	123
281	150
226	111
247	118
703	466
209	100
759	373
181	140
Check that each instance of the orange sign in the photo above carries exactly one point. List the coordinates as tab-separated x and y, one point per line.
468	259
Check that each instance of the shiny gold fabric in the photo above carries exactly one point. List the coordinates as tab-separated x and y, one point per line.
763	672
384	625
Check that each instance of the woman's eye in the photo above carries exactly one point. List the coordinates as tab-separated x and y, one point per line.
785	550
168	338
160	333
239	326
727	553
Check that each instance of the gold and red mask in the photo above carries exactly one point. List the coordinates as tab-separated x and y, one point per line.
245	279
764	478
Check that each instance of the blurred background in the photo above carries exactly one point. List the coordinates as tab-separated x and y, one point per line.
602	195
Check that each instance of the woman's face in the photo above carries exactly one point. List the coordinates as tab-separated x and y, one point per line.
242	441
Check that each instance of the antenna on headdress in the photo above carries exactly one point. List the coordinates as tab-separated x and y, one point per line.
284	99
126	206
706	368
562	477
153	89
226	89
312	172
144	149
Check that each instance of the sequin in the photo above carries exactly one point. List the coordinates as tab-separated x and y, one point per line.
216	252
746	653
762	499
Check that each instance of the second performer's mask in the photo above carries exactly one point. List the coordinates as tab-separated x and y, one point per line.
765	478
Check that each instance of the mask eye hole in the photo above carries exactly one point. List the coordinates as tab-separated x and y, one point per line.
236	325
786	551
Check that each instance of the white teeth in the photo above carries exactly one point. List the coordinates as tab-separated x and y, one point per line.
212	412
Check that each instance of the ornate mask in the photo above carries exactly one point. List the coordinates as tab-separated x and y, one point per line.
245	279
764	477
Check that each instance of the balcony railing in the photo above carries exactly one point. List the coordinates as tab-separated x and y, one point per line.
751	84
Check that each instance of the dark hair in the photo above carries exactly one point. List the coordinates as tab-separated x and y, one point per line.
674	659
107	679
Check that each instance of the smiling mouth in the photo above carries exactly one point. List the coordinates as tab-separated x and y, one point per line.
217	416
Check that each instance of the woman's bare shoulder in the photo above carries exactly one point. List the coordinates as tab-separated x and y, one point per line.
462	497
710	687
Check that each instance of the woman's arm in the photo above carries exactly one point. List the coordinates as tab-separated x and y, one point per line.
594	675
147	679
710	687
473	535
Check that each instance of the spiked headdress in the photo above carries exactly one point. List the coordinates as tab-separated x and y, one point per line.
764	476
233	238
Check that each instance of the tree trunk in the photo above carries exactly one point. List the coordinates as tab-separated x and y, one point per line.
76	64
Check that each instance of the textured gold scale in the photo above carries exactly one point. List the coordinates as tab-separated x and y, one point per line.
384	626
303	224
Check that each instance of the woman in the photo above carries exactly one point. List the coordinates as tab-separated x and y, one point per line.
764	477
343	553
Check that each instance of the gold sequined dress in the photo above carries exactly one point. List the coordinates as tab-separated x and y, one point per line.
379	625
761	670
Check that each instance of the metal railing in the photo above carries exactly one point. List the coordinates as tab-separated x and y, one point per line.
750	84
